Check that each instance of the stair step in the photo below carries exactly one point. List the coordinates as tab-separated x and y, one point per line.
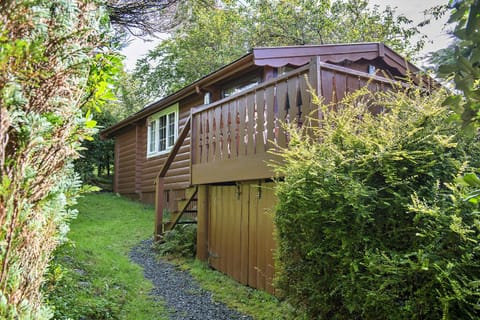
185	198
184	203
187	222
185	211
182	208
189	192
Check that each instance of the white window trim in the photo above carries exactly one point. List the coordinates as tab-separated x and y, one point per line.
171	109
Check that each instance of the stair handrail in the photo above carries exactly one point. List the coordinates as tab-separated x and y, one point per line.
159	185
173	153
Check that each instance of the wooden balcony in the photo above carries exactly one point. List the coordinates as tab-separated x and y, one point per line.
231	138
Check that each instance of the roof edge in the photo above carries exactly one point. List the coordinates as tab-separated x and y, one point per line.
265	56
155	106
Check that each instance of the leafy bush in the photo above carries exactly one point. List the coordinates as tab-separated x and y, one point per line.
50	67
179	242
370	222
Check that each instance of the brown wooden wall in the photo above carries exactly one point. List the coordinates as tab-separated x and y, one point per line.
178	177
135	173
125	160
241	233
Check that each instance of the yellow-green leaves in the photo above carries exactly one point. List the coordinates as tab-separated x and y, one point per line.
370	222
105	70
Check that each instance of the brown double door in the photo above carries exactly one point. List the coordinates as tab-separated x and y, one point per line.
240	236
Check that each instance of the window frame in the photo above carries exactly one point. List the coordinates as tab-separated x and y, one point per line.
243	83
155	120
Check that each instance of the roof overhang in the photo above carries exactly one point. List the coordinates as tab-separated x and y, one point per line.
220	74
333	53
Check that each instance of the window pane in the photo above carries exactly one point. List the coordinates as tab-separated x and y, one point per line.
152	129
162	133
171	129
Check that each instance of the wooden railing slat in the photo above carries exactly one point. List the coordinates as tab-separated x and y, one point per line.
270	104
243	136
282	113
223	117
250	128
292	95
217	116
260	101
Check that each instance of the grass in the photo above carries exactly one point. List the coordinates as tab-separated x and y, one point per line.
92	277
258	304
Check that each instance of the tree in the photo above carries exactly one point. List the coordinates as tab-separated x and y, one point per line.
213	37
299	22
146	17
464	67
464	64
53	63
140	18
96	154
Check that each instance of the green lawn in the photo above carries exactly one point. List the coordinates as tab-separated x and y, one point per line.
93	276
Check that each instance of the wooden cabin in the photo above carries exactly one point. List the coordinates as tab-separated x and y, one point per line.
201	153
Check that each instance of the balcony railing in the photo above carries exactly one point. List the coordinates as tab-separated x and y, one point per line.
231	137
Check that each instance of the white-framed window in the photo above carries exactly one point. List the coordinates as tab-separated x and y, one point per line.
162	131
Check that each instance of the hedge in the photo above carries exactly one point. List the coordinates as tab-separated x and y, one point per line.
370	221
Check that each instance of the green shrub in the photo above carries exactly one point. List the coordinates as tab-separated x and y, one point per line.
51	65
370	222
179	242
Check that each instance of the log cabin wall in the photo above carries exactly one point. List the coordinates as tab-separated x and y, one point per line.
178	176
125	162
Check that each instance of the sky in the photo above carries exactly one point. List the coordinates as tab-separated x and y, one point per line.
412	9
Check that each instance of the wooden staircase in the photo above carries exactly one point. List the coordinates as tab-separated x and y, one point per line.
160	203
185	205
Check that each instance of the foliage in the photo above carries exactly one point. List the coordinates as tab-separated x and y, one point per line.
128	92
465	67
91	276
215	37
212	37
258	304
96	153
51	64
370	222
181	241
299	22
141	17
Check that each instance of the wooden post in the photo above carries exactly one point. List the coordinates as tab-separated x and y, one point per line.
315	78
159	204
202	223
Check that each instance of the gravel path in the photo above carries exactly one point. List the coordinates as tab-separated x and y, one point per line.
183	296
